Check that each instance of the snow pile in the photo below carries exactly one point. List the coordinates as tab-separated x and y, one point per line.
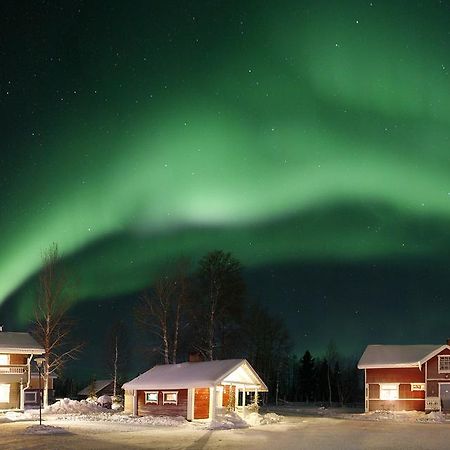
435	417
14	416
45	429
403	416
68	406
254	419
227	421
162	421
105	401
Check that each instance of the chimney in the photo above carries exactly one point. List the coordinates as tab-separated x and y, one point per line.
195	357
1	328
448	341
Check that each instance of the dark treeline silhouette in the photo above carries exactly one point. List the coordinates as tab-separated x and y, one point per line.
325	380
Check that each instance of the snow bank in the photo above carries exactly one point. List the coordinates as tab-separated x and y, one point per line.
68	406
45	429
232	420
227	421
164	421
403	416
14	416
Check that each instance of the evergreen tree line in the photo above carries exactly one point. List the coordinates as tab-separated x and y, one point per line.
328	380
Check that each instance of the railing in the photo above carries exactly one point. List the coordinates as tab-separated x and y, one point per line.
13	370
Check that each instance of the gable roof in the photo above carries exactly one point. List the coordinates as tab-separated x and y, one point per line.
191	374
14	342
391	356
98	386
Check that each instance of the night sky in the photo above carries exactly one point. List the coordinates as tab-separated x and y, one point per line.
309	139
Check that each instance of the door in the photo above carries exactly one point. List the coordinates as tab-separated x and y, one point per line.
444	393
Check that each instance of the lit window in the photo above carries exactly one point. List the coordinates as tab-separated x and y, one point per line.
4	360
388	391
170	398
151	397
4	393
444	364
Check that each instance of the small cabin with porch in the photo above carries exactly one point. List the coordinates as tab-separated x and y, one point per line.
194	390
406	377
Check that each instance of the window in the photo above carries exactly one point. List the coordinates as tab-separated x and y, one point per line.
30	397
151	397
388	391
444	364
4	393
4	360
170	398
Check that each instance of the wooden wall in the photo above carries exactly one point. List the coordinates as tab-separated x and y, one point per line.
151	409
405	375
201	403
17	359
128	403
229	393
34	384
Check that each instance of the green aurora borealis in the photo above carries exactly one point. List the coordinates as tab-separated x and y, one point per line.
292	134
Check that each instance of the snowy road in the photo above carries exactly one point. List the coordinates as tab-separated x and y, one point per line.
312	433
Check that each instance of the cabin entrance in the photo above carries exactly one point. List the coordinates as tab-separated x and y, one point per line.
444	393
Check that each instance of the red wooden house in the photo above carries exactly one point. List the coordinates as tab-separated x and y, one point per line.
407	377
194	390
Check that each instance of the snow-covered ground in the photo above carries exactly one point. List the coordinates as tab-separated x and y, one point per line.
71	424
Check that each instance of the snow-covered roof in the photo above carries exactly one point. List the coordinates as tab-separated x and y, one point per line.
14	342
95	387
196	374
380	356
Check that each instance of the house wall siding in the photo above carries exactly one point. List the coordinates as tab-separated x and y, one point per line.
147	409
408	400
402	375
17	359
201	403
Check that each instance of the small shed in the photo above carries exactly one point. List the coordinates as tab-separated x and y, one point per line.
194	390
98	388
406	377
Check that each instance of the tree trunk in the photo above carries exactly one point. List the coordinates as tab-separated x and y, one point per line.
175	337
116	358
329	383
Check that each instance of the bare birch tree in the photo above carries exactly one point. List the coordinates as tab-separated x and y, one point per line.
52	328
117	352
161	309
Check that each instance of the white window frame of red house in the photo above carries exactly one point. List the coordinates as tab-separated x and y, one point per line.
152	402
440	357
389	387
170	402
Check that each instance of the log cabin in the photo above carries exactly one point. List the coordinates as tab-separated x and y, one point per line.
406	377
19	384
194	390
